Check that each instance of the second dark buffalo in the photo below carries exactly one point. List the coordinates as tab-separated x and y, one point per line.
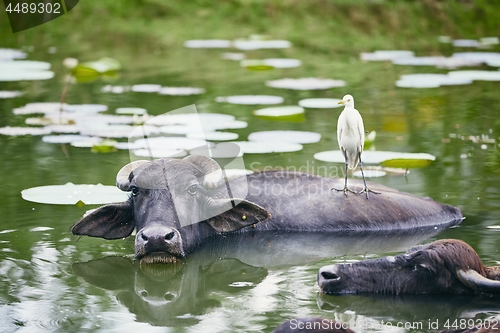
444	266
176	204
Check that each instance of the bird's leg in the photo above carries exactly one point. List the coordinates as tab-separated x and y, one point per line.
345	189
365	189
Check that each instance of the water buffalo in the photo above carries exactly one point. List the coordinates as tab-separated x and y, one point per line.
175	204
444	266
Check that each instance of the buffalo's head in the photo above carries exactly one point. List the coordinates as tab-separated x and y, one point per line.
174	205
444	266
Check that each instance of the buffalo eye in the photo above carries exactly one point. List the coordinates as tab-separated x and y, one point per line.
135	191
192	189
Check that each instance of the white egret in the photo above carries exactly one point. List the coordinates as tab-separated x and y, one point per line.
351	138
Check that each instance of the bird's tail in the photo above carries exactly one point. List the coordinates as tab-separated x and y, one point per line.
352	161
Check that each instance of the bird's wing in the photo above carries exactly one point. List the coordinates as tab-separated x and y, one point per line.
361	131
339	129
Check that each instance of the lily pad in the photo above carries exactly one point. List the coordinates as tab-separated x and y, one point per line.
19	131
320	103
301	137
483	57
375	157
235	173
11	54
87	143
230	124
25	75
369	173
9	94
105	146
487	41
265	147
219	150
101	66
386	55
148	88
175	143
181	91
307	83
430	80
108	131
159	153
64	138
251	99
476	75
243	44
440	62
406	163
85	108
283	62
213	136
115	89
466	43
46	108
256	65
207	44
138	111
235	56
95	120
63	128
279	111
190	119
180	129
24	65
71	194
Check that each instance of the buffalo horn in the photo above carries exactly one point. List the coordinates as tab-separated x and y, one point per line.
212	173
122	181
476	281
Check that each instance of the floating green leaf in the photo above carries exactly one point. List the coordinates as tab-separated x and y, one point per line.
256	65
406	163
89	71
105	146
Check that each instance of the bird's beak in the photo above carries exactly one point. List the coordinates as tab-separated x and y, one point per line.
341	102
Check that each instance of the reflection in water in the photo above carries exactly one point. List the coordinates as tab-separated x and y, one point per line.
424	312
169	295
178	295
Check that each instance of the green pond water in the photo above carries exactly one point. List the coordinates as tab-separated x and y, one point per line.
52	281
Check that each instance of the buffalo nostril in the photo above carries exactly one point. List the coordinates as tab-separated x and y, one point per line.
169	236
144	237
330	276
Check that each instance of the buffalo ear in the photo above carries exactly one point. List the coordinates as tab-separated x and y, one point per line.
242	215
109	222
